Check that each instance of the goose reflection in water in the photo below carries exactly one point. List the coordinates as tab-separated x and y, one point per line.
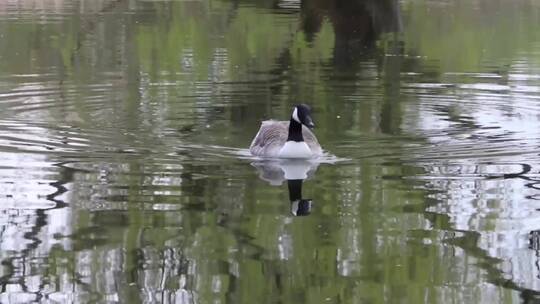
275	172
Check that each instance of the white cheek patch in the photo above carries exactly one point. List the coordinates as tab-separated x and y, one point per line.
295	115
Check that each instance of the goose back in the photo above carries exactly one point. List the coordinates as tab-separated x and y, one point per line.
273	135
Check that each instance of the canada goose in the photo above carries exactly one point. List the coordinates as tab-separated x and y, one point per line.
287	139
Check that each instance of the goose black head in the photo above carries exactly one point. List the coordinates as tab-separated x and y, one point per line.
302	114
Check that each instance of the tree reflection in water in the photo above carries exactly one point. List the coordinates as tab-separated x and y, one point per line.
122	198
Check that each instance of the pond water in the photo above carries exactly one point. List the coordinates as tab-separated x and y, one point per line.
124	174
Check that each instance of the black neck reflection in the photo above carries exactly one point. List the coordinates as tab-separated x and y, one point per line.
299	206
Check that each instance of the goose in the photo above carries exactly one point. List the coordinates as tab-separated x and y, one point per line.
287	139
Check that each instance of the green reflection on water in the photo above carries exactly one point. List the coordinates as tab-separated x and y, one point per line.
127	116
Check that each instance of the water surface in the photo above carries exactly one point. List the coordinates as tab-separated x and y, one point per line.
124	175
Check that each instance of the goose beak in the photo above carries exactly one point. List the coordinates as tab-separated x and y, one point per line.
309	123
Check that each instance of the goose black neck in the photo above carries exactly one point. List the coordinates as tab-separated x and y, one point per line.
295	189
295	131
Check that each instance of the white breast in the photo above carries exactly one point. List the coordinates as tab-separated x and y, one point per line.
293	149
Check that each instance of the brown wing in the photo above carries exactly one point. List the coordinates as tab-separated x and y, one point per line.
311	141
271	137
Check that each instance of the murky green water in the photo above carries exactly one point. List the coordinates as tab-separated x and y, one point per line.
124	175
